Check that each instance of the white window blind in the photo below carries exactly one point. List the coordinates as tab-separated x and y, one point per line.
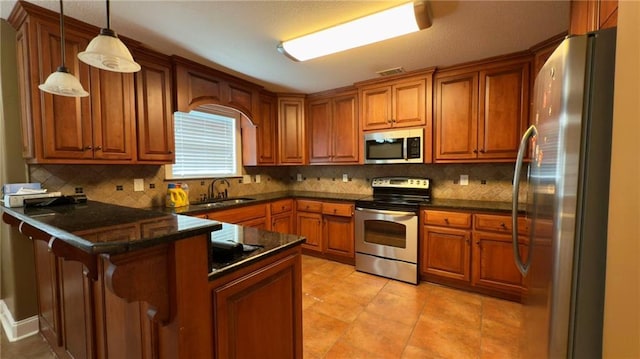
206	145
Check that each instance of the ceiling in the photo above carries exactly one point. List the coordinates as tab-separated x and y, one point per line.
240	37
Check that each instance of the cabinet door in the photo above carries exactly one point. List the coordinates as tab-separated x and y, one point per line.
154	112
291	131
309	225
282	223
76	295
408	103
112	109
446	253
344	129
608	14
583	17
244	306
493	265
266	123
49	313
339	236
65	127
503	115
240	97
319	130
456	117
260	223
376	108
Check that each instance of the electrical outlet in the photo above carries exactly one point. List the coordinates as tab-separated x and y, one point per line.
299	177
138	184
246	179
464	180
258	178
345	177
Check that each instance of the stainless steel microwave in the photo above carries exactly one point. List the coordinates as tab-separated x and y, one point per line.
394	146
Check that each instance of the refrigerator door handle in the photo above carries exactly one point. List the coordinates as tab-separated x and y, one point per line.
522	267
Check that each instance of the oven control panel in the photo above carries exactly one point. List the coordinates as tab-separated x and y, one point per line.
400	182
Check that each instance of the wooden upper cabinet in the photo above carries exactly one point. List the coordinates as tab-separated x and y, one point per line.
291	139
154	108
267	122
332	128
113	112
503	110
592	15
57	129
198	85
456	116
542	52
402	102
481	111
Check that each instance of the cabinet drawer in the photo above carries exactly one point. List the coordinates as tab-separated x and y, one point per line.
281	206
338	209
308	206
447	219
498	223
239	214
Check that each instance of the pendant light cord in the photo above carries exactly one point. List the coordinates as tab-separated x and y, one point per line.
108	17
62	54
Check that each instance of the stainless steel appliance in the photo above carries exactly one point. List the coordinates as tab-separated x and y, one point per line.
568	181
387	227
394	146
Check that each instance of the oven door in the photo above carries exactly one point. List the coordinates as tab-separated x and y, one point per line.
387	234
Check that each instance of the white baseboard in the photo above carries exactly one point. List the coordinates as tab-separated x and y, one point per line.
17	330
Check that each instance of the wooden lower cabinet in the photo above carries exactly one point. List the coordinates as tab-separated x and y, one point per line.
258	313
282	219
493	266
472	251
446	253
328	227
309	224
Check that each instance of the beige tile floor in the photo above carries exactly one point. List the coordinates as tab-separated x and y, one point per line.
349	314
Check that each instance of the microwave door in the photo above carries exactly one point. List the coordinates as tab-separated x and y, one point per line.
387	149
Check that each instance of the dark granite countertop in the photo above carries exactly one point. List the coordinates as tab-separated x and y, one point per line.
96	227
450	204
263	243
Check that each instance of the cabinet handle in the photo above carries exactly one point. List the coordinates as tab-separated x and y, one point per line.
503	225
98	148
446	220
482	150
475	150
87	148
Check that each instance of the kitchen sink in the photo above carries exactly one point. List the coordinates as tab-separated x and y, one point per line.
224	202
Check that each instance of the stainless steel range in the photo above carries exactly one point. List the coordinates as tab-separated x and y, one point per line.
387	227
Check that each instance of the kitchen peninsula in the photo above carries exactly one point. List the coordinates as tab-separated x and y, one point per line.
119	282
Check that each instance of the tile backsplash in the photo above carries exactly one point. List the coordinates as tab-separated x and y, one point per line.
115	183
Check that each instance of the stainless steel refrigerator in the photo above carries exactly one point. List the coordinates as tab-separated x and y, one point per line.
569	147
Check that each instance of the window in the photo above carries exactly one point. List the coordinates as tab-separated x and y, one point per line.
207	144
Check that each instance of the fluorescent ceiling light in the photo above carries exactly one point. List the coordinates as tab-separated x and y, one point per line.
107	52
393	22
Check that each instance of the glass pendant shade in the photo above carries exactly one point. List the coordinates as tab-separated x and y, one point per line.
107	52
63	83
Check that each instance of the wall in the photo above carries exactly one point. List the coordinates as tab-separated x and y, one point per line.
114	184
17	270
622	294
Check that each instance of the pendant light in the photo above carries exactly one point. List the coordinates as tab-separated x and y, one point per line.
61	82
107	52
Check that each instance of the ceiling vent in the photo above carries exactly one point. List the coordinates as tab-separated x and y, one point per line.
391	71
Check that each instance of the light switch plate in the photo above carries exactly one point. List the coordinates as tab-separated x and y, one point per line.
464	180
258	178
299	177
138	184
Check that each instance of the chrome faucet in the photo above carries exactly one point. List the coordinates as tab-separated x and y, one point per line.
218	194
